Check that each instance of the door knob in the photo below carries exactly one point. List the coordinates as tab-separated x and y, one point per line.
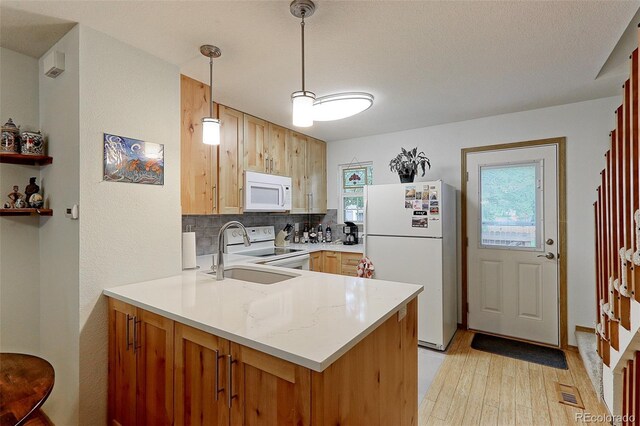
548	255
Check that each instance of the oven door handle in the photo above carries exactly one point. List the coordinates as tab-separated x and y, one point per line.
288	260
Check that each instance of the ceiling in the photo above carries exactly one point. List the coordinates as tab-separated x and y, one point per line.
425	62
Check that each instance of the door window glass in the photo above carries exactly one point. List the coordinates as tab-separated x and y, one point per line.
510	206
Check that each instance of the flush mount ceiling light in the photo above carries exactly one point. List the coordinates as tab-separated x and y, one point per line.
302	100
306	108
210	125
341	105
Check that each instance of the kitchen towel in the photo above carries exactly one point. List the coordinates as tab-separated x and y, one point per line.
188	250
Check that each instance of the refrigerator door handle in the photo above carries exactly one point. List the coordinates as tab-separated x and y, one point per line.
364	221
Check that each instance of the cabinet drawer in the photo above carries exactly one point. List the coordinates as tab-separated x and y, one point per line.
351	259
349	270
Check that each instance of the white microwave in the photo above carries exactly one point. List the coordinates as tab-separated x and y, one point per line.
266	193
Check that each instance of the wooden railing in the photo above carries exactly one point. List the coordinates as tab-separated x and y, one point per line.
617	230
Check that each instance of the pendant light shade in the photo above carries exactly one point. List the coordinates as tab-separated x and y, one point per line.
341	105
210	125
303	108
210	131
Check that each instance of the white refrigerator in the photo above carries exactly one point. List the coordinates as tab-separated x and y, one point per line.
410	236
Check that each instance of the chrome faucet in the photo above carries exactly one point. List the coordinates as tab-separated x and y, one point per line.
222	245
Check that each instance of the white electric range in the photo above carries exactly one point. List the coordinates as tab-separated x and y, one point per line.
262	246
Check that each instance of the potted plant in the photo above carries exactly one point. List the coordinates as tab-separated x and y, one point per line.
406	164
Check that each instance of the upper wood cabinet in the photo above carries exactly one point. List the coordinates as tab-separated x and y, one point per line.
317	175
230	161
256	144
296	147
278	149
198	162
140	366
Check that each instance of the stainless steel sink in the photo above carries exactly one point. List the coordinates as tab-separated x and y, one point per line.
255	275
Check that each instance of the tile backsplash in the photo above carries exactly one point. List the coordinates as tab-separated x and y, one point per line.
207	227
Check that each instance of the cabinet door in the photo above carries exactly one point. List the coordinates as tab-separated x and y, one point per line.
278	150
317	175
297	159
122	364
331	262
256	144
315	261
200	378
230	177
154	351
198	162
268	390
349	263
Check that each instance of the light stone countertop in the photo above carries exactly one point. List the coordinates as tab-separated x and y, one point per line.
310	320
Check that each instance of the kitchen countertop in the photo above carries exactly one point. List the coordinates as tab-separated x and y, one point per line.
357	248
310	320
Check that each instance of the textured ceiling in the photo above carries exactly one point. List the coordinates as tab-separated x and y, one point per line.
425	62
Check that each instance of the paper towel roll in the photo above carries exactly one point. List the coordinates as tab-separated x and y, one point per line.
188	250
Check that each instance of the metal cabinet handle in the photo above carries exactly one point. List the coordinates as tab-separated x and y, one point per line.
548	255
271	167
311	203
127	332
136	323
266	163
217	388
241	198
230	395
214	190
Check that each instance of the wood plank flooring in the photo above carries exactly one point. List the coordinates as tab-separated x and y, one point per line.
478	388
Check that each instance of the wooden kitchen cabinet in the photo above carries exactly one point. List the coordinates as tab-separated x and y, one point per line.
200	364
218	382
140	366
278	150
268	390
297	160
256	144
331	263
316	172
198	162
349	263
230	161
315	261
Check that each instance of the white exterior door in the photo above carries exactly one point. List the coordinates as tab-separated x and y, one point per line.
512	230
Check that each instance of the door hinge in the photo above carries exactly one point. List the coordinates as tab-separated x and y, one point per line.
467	176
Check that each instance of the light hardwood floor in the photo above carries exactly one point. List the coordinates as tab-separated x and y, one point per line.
474	387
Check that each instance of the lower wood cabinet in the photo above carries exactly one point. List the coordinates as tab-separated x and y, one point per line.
163	372
140	366
335	262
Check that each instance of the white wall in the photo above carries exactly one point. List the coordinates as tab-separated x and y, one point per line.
59	106
586	126
19	255
128	232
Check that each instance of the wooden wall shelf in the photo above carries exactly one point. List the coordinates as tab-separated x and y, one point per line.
26	212
33	160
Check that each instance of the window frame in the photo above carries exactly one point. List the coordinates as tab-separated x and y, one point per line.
341	189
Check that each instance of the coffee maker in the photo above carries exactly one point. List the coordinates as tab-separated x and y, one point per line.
350	231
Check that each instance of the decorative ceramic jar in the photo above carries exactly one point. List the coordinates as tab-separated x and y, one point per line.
10	141
32	143
36	201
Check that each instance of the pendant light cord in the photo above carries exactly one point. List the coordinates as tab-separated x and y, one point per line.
211	86
302	32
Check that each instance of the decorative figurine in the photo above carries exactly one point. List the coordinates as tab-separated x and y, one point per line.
36	201
10	141
31	189
20	204
14	197
32	143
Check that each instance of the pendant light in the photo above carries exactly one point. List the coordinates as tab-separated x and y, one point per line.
210	125
302	100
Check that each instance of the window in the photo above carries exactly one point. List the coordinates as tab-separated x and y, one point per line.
351	181
510	204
